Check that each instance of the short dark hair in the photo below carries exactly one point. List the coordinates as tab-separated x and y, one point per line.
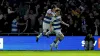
53	6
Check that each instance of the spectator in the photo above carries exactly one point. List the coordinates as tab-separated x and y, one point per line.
28	22
89	42
33	15
84	25
5	24
15	25
90	21
22	9
70	21
97	26
40	19
75	28
22	25
28	26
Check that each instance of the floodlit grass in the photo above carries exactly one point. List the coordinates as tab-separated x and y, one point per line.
49	53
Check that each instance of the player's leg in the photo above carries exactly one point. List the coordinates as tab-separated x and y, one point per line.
60	37
53	43
45	28
49	32
41	34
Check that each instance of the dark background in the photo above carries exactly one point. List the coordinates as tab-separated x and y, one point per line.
83	16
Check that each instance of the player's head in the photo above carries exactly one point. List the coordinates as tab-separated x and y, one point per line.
53	7
57	11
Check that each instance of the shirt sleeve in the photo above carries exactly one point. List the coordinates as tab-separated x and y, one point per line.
49	11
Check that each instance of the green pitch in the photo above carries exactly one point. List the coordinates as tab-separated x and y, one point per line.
49	53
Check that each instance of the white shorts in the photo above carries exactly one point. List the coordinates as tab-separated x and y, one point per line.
46	27
59	33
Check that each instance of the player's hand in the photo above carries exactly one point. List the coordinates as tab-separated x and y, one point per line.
67	25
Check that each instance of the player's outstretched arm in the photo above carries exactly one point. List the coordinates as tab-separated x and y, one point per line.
50	27
64	23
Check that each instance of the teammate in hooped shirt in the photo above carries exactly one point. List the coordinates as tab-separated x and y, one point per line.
47	25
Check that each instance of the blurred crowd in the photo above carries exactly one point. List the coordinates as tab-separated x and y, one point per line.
83	16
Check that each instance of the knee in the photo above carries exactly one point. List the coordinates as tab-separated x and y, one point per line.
61	37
